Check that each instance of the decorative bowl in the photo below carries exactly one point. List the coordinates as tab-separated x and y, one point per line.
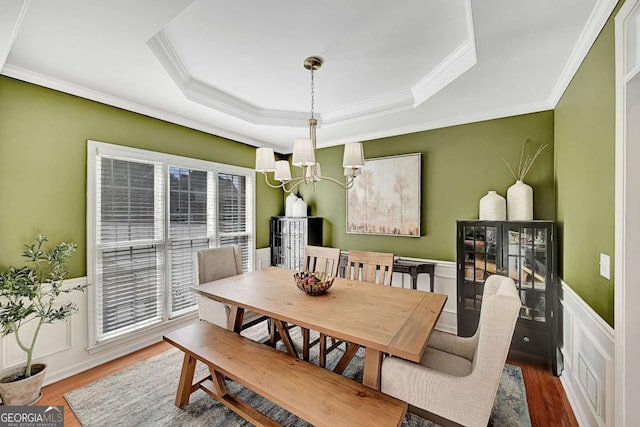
313	283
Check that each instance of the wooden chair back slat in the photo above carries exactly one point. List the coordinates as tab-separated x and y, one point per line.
373	267
321	259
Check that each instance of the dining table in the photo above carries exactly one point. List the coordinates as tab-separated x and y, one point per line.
381	319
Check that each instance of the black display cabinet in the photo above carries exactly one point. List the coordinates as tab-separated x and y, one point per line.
526	252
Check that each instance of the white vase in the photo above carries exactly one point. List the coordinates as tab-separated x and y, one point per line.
493	207
299	208
520	202
289	201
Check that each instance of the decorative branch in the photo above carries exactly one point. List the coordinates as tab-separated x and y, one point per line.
525	163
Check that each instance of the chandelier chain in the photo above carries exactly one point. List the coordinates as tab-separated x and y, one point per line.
312	92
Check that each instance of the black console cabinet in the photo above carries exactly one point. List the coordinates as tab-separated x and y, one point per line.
524	251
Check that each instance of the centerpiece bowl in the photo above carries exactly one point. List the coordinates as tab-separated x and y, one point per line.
313	283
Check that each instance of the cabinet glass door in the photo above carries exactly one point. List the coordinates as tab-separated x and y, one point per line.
480	261
527	261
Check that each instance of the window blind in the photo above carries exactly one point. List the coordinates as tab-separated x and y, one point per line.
235	215
190	200
129	245
147	213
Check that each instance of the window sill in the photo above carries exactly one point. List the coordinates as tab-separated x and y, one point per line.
143	337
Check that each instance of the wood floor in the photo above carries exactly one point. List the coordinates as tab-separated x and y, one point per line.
548	404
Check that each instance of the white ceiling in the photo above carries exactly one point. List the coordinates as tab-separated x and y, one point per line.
234	68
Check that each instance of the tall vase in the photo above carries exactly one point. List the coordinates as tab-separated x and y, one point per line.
289	202
520	202
493	207
300	208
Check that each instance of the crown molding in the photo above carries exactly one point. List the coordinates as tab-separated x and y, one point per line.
168	58
374	108
18	15
590	32
438	124
454	65
207	95
103	98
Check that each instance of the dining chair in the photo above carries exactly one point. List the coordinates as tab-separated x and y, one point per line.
214	264
321	259
317	259
457	380
364	266
372	267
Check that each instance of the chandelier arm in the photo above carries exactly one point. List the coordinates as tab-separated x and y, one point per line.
297	182
346	184
266	180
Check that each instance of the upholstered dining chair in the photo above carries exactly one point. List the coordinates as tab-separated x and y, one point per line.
218	263
365	266
457	380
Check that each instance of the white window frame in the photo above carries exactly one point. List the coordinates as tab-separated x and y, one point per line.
96	148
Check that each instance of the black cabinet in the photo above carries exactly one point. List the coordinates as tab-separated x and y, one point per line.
524	251
289	238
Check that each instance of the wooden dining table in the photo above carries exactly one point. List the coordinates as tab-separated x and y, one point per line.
382	319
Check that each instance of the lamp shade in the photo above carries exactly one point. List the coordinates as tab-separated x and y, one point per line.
283	172
265	160
303	154
353	155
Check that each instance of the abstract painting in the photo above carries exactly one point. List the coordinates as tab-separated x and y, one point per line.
385	197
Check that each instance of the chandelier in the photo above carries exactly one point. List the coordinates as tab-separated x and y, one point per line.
304	154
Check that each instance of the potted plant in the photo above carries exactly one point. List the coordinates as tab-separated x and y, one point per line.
30	294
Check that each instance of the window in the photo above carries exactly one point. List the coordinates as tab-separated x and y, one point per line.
147	213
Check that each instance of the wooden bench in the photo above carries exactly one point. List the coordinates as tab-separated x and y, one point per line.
316	395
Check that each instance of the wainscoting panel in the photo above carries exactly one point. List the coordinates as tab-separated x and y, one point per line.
588	343
588	352
53	338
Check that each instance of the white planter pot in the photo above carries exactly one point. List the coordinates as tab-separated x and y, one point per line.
520	202
493	207
25	391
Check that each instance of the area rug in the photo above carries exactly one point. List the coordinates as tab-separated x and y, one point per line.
144	395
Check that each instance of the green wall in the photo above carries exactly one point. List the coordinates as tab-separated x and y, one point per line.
585	171
459	165
43	136
43	151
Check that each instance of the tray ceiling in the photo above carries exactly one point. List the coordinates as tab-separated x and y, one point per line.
234	68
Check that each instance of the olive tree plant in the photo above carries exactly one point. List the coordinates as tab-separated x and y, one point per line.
31	293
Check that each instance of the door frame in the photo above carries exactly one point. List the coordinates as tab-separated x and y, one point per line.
627	231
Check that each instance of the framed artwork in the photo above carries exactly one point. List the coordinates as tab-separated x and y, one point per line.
385	197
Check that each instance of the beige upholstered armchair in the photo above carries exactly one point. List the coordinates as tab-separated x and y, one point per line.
457	379
219	263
